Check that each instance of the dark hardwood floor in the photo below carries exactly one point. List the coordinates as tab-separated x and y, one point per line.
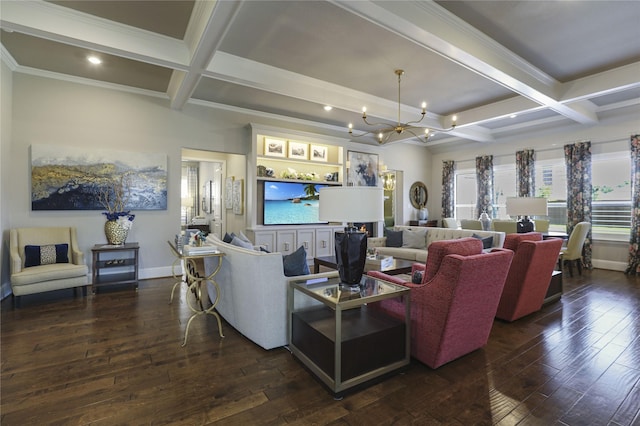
115	359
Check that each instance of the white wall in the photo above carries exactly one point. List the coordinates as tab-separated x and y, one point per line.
47	111
6	99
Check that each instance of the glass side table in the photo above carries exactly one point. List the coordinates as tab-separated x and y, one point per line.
340	336
195	283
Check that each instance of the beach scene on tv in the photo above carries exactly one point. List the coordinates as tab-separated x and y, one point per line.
291	203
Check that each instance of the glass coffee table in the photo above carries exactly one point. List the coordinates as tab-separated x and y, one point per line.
399	266
340	336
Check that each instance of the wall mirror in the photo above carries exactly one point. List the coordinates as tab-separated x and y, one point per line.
418	195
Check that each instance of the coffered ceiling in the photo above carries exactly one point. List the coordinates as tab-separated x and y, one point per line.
549	63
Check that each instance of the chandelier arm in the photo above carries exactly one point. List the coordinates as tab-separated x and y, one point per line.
409	123
390	126
420	138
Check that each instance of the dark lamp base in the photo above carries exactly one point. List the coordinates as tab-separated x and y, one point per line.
525	225
351	251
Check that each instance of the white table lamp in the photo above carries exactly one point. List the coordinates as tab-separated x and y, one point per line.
525	207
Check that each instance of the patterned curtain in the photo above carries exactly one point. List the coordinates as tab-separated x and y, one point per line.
448	189
526	173
578	161
634	241
484	182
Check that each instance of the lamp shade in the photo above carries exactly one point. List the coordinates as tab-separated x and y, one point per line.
351	204
527	206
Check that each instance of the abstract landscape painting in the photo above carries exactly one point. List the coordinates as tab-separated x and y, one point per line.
72	178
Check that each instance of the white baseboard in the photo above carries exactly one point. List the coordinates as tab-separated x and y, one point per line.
609	264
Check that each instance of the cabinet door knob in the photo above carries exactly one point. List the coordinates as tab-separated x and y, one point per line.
286	246
306	245
324	243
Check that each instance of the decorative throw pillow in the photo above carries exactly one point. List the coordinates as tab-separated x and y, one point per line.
236	241
416	278
244	238
394	238
414	238
46	255
296	263
487	242
227	238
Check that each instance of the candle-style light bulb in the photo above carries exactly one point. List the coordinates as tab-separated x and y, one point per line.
350	128
453	120
380	136
424	107
364	112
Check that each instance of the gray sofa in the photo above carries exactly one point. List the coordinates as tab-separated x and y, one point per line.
417	248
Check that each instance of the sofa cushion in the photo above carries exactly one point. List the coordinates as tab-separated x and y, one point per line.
414	238
46	255
236	241
394	238
244	238
296	263
487	242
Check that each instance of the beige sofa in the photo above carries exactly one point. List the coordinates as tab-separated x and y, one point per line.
419	254
253	292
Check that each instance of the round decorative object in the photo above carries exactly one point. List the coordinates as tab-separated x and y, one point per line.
116	234
418	195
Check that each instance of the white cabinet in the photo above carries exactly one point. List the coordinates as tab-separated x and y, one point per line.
307	238
266	239
286	241
317	241
325	241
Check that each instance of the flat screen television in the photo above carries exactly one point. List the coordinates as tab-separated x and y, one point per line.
291	203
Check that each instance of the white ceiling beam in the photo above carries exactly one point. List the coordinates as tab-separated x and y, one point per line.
209	23
431	26
64	25
615	80
245	72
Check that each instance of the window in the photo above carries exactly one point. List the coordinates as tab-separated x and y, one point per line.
504	182
611	189
465	194
551	183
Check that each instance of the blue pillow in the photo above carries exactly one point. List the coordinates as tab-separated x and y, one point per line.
394	238
296	263
416	278
487	242
238	242
45	255
227	238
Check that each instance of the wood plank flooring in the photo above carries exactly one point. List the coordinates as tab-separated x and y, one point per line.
114	358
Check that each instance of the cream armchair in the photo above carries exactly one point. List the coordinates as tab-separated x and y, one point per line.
52	262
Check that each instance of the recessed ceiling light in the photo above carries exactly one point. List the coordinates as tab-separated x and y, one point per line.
513	115
328	107
94	60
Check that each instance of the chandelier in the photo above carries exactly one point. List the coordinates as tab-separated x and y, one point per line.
385	130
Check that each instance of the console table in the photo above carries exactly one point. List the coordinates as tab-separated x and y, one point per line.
195	283
124	270
340	337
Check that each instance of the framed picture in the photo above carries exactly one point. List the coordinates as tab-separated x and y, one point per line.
318	153
298	151
228	192
238	196
274	147
363	169
79	178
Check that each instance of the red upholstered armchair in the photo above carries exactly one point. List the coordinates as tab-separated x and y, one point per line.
530	274
452	310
